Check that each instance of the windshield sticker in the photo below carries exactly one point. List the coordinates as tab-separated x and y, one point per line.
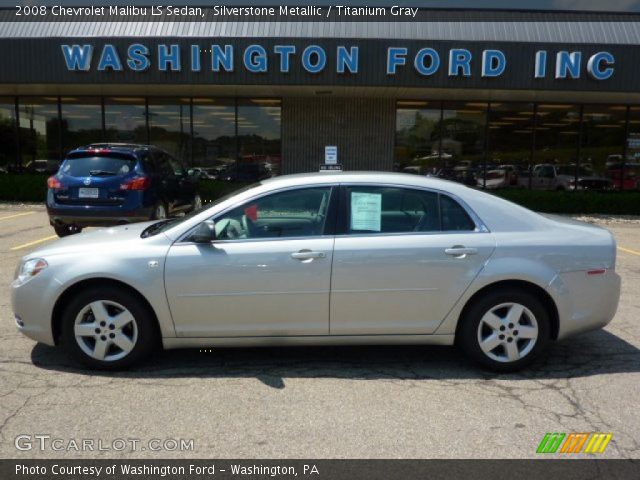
366	211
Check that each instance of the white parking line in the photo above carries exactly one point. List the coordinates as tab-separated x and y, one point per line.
16	215
35	242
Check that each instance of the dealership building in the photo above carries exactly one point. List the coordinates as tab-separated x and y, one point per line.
444	87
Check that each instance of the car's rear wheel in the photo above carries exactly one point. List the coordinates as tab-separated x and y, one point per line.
159	211
505	330
108	328
66	230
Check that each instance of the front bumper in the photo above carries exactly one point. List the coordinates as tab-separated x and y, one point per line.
33	308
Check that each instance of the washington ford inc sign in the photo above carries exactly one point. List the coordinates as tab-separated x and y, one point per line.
257	59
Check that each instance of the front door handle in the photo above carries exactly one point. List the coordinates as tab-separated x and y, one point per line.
307	255
460	251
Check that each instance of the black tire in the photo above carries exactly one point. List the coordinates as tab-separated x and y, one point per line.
66	230
147	340
155	214
467	334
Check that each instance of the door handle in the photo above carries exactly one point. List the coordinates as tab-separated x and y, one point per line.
307	255
460	251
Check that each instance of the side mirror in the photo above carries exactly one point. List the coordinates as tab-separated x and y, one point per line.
205	232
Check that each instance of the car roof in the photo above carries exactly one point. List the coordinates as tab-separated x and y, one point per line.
116	147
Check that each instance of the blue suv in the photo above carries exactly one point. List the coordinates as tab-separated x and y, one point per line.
107	184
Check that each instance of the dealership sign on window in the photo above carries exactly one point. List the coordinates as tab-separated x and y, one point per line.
314	59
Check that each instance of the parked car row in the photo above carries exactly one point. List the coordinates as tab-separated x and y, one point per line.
546	176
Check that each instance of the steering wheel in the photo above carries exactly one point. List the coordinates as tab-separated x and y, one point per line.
247	226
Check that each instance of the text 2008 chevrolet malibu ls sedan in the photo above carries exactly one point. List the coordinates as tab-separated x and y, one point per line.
325	259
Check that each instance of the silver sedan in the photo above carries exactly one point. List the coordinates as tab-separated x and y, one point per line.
325	259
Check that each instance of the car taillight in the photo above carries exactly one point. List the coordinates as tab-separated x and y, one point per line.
53	182
136	183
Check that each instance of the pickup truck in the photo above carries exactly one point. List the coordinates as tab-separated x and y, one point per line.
562	177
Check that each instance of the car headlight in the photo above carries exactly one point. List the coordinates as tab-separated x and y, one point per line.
30	269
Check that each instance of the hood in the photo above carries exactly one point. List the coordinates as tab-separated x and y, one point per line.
101	240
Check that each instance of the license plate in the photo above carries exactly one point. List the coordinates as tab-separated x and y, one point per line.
88	193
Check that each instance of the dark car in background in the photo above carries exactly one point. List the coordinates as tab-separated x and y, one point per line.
114	184
245	172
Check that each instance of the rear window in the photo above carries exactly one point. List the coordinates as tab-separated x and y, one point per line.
453	216
98	165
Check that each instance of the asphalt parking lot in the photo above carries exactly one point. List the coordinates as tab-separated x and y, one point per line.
364	402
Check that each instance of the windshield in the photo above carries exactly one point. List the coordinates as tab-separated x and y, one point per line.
97	166
164	225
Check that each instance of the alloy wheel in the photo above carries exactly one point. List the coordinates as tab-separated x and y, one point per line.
507	332
105	330
161	212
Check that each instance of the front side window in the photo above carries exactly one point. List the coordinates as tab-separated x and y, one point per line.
402	210
291	213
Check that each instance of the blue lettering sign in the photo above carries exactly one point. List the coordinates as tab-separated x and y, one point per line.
597	62
568	63
434	61
459	59
541	64
195	58
321	59
169	55
138	57
222	59
255	59
284	51
493	63
109	59
347	59
77	57
395	57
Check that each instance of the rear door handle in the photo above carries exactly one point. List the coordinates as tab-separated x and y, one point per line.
460	251
307	255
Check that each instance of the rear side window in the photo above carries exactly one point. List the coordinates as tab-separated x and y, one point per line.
401	210
454	217
391	210
98	165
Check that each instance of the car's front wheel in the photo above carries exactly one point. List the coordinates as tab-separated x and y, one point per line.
505	330
108	328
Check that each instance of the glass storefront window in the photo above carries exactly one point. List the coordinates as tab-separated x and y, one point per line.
603	128
509	143
8	151
557	132
463	140
169	126
417	136
81	122
39	133
629	174
214	132
125	119
259	134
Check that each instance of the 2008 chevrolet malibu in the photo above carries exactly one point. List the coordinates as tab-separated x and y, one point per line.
325	259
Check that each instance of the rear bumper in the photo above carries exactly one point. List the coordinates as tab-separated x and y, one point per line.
96	216
585	302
